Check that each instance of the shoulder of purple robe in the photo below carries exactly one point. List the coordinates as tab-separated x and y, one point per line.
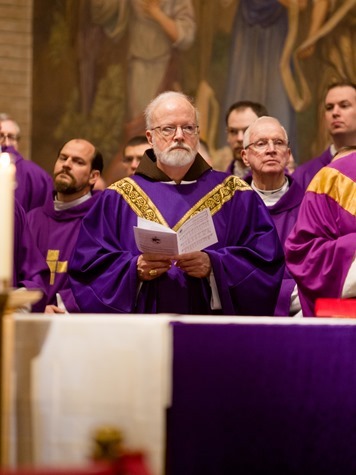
30	268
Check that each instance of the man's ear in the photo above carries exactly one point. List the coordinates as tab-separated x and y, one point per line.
94	176
244	157
149	137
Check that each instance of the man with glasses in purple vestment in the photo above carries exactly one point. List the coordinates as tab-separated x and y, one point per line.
33	182
239	275
266	151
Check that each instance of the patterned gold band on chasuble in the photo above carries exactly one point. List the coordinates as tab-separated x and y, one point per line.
324	183
215	199
137	199
143	206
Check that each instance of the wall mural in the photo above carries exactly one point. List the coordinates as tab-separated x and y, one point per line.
98	62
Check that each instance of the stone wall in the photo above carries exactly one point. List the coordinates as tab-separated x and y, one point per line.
16	65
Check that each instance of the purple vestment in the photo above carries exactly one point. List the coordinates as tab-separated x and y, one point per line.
34	184
55	233
30	269
247	261
322	245
284	214
304	173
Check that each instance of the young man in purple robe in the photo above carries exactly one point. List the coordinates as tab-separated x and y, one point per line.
321	249
266	152
340	120
30	269
239	275
55	225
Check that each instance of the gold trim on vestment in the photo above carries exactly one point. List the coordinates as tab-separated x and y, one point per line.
143	206
215	199
138	200
324	183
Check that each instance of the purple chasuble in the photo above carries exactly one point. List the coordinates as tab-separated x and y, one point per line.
34	184
322	245
30	269
304	173
55	233
284	214
247	261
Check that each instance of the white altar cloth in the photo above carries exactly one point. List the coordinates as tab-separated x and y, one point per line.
77	373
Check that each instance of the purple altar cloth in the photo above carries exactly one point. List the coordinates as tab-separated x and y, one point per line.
251	398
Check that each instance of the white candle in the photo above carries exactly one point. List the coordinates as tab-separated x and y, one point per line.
7	198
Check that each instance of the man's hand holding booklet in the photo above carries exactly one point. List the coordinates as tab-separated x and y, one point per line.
194	235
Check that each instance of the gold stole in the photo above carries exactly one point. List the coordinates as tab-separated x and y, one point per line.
325	183
144	207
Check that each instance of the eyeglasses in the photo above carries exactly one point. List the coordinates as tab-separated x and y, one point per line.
262	145
12	137
170	130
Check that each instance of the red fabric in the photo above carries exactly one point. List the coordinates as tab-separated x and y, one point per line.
132	464
340	308
92	469
128	464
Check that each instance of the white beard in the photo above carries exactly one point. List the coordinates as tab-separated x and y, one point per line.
176	157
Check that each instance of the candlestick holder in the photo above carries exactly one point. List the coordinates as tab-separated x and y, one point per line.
10	301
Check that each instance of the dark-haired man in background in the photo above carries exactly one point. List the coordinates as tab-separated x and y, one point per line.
340	119
239	116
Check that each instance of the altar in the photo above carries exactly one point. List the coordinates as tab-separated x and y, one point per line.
199	395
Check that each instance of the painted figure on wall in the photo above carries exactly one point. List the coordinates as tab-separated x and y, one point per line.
257	40
157	30
326	55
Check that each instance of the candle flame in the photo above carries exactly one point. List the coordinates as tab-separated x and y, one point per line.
5	160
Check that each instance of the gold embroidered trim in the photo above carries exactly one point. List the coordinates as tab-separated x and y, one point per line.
324	183
143	206
215	199
140	203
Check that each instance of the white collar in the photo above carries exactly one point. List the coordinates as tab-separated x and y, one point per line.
62	205
271	197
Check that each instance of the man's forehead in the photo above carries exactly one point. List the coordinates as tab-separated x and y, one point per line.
8	126
173	107
265	127
78	148
341	93
241	118
139	149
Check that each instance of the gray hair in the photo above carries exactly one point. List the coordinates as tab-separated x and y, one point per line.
246	139
157	101
4	116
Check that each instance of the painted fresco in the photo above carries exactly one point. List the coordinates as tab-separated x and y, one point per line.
97	62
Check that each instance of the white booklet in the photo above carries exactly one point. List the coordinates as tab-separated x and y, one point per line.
196	234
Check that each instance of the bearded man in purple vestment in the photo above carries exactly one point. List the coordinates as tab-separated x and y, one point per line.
266	151
55	225
239	275
321	249
340	120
